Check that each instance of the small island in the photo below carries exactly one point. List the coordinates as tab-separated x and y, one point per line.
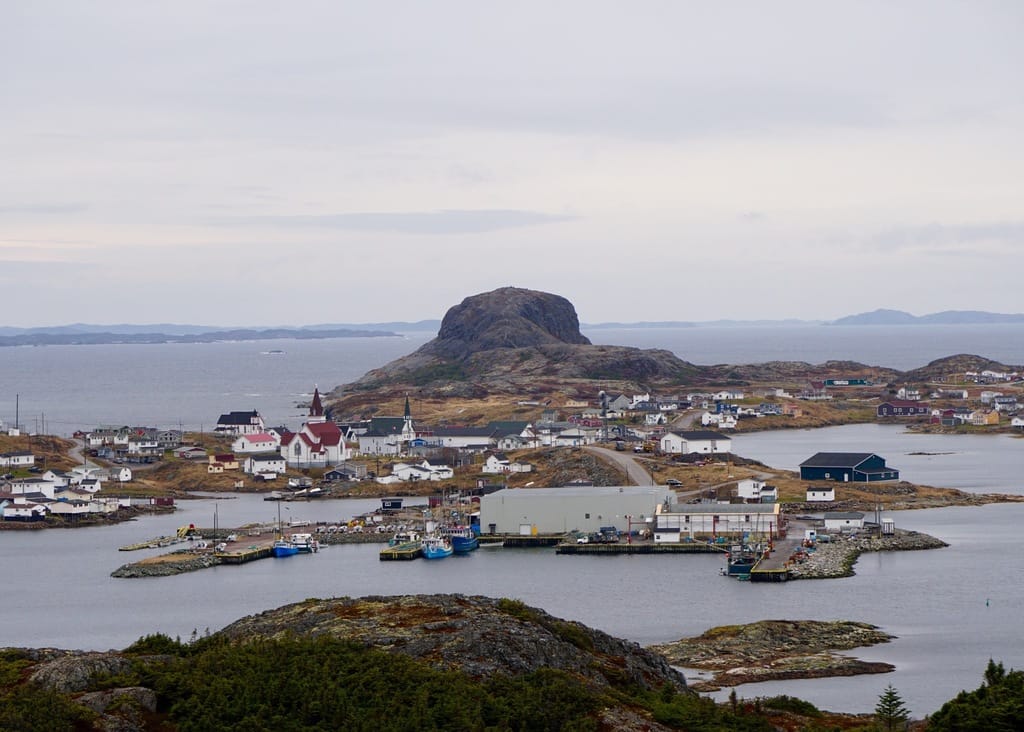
774	650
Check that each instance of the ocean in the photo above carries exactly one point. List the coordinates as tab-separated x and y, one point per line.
60	389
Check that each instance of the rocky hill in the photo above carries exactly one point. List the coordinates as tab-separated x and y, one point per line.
478	635
513	341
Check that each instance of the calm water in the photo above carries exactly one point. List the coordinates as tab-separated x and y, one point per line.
65	388
935	602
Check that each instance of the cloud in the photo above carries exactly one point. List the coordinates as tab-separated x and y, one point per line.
412	222
957	239
44	208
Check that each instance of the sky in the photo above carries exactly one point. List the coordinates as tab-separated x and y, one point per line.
266	163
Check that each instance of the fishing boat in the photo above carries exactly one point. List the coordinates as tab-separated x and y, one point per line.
284	548
305	543
462	538
436	547
404	537
741	559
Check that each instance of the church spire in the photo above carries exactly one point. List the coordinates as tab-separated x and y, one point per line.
408	411
316	407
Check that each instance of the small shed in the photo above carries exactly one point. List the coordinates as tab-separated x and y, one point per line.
844	520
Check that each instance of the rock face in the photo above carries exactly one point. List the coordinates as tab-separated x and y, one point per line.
512	341
481	636
509	317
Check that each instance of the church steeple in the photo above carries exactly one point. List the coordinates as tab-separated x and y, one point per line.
408	433
316	407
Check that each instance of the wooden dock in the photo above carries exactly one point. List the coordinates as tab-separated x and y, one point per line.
640	547
244	555
402	552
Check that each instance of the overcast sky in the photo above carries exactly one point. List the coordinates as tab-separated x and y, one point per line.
270	163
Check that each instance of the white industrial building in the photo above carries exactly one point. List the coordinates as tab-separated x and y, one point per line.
701	441
682	521
527	511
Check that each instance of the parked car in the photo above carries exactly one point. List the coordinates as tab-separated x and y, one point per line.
584	539
673	482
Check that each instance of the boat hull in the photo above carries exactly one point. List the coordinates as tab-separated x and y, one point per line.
284	550
464	544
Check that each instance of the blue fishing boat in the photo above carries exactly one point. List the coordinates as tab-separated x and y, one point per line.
436	547
284	548
463	538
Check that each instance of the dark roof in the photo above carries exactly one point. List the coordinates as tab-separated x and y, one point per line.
844	515
386	425
238	417
508	427
702	435
836	459
463	432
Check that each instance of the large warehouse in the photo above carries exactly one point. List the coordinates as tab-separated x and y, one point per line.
561	510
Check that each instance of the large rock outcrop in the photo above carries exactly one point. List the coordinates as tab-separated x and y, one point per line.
513	341
509	317
478	635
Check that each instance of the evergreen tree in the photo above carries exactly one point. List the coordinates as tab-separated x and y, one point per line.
890	712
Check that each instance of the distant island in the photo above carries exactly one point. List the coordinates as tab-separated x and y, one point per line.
86	334
946	317
211	336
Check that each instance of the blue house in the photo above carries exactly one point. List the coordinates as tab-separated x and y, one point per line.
847	467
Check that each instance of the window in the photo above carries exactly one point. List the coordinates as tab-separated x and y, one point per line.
586	515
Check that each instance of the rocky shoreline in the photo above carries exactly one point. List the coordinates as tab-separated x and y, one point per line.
773	650
836	558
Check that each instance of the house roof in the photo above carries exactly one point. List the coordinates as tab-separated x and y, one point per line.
259	437
269	458
238	417
836	459
702	435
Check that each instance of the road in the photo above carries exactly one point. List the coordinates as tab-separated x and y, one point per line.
636	473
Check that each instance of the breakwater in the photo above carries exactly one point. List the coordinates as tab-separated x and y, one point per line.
837	557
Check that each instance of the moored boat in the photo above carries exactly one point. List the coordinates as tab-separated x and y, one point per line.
436	547
284	548
305	543
403	537
462	538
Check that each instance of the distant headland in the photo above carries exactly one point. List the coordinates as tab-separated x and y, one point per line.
87	334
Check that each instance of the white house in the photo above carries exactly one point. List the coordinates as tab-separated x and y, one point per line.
1017	422
726	395
18	459
266	463
499	463
687	521
25	486
124	475
701	441
722	421
256	442
240	423
820	494
24	510
576	436
843	520
756	490
418	471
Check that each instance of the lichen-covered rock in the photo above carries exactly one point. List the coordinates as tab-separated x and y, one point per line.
78	671
481	636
